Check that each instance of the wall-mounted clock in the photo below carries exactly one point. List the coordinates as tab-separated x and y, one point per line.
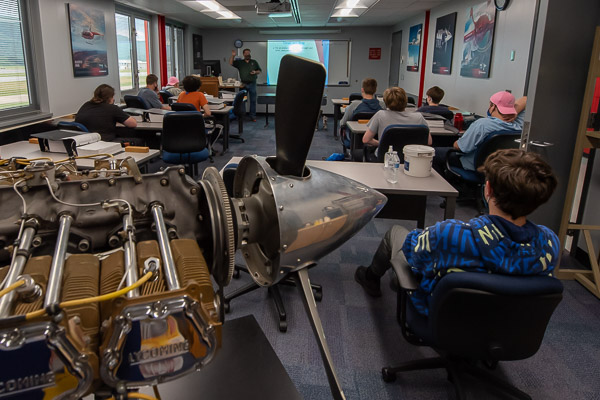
501	4
238	43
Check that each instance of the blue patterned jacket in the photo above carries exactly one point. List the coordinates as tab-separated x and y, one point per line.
484	244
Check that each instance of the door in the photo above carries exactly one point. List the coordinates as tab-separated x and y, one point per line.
395	59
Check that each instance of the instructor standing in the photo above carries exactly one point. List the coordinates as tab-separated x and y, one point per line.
249	69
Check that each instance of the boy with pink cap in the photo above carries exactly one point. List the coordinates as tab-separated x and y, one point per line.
504	114
173	86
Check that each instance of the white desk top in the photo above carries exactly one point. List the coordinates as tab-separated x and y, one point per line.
31	150
371	174
358	128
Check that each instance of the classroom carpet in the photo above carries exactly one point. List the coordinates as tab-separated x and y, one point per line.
363	334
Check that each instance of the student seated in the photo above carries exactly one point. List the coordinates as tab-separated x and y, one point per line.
150	93
503	242
395	100
504	113
434	96
101	115
173	86
368	104
192	95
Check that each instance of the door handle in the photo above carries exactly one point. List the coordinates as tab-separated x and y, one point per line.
540	144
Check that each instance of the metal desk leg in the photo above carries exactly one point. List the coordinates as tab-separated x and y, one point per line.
311	309
336	117
450	207
267	115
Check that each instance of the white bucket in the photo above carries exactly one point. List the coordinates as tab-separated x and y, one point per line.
418	160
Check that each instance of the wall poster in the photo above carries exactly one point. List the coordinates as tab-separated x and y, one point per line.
478	40
87	40
414	47
444	44
197	49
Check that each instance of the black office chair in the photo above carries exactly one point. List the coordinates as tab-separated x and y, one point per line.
471	183
74	126
136	102
354	96
183	107
213	130
449	115
476	316
165	95
273	291
397	136
356	144
239	110
184	140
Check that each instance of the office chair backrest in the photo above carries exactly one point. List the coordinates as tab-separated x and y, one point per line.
354	96
136	102
165	95
363	115
72	126
449	115
399	136
183	107
496	141
492	316
411	100
238	103
183	132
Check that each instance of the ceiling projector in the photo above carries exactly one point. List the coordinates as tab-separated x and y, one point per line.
273	7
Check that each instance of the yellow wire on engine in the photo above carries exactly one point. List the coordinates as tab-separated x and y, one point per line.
12	287
134	395
90	156
104	297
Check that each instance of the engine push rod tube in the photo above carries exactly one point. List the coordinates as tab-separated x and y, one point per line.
58	261
165	248
16	269
131	271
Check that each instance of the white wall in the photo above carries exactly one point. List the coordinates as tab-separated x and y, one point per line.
512	32
62	93
218	43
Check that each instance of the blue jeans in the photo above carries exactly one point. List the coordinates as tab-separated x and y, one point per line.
251	88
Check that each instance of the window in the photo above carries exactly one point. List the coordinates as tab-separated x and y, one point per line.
133	50
175	51
17	88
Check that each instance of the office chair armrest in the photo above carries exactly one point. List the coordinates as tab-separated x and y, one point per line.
451	154
406	279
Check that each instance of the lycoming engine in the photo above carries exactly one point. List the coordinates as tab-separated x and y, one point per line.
107	275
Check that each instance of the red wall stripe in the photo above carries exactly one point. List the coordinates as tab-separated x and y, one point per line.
162	46
424	40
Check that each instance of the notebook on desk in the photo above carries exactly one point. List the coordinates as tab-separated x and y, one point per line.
216	106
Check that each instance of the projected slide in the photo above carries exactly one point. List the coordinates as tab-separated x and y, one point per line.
316	50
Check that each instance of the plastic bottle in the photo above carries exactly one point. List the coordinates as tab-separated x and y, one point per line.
459	121
391	166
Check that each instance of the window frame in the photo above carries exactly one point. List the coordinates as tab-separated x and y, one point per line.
133	15
174	26
13	116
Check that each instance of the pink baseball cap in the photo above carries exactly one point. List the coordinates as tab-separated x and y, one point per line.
505	102
174	81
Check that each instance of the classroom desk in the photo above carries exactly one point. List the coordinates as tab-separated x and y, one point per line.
407	199
32	150
439	136
337	114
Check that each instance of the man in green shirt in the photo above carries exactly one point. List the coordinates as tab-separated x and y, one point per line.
249	70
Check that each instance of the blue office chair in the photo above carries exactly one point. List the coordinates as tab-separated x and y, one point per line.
473	180
72	126
354	96
397	136
354	143
475	316
183	107
165	95
184	141
136	102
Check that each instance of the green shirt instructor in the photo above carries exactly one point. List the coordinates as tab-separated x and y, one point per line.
249	70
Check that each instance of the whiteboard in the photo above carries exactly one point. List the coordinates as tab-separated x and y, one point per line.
339	60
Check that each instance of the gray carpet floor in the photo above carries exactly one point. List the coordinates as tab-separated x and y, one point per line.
363	334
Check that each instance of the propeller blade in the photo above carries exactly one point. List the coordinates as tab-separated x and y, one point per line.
299	93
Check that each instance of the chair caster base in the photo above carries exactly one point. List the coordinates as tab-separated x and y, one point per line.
387	375
226	307
283	325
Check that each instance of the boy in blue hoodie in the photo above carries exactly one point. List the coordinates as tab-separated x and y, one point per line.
368	104
503	242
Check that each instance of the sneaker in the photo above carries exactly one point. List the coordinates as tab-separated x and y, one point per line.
370	286
253	119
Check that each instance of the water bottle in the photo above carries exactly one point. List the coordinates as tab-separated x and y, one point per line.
391	166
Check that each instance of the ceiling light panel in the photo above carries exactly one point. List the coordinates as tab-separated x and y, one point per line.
351	8
215	10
